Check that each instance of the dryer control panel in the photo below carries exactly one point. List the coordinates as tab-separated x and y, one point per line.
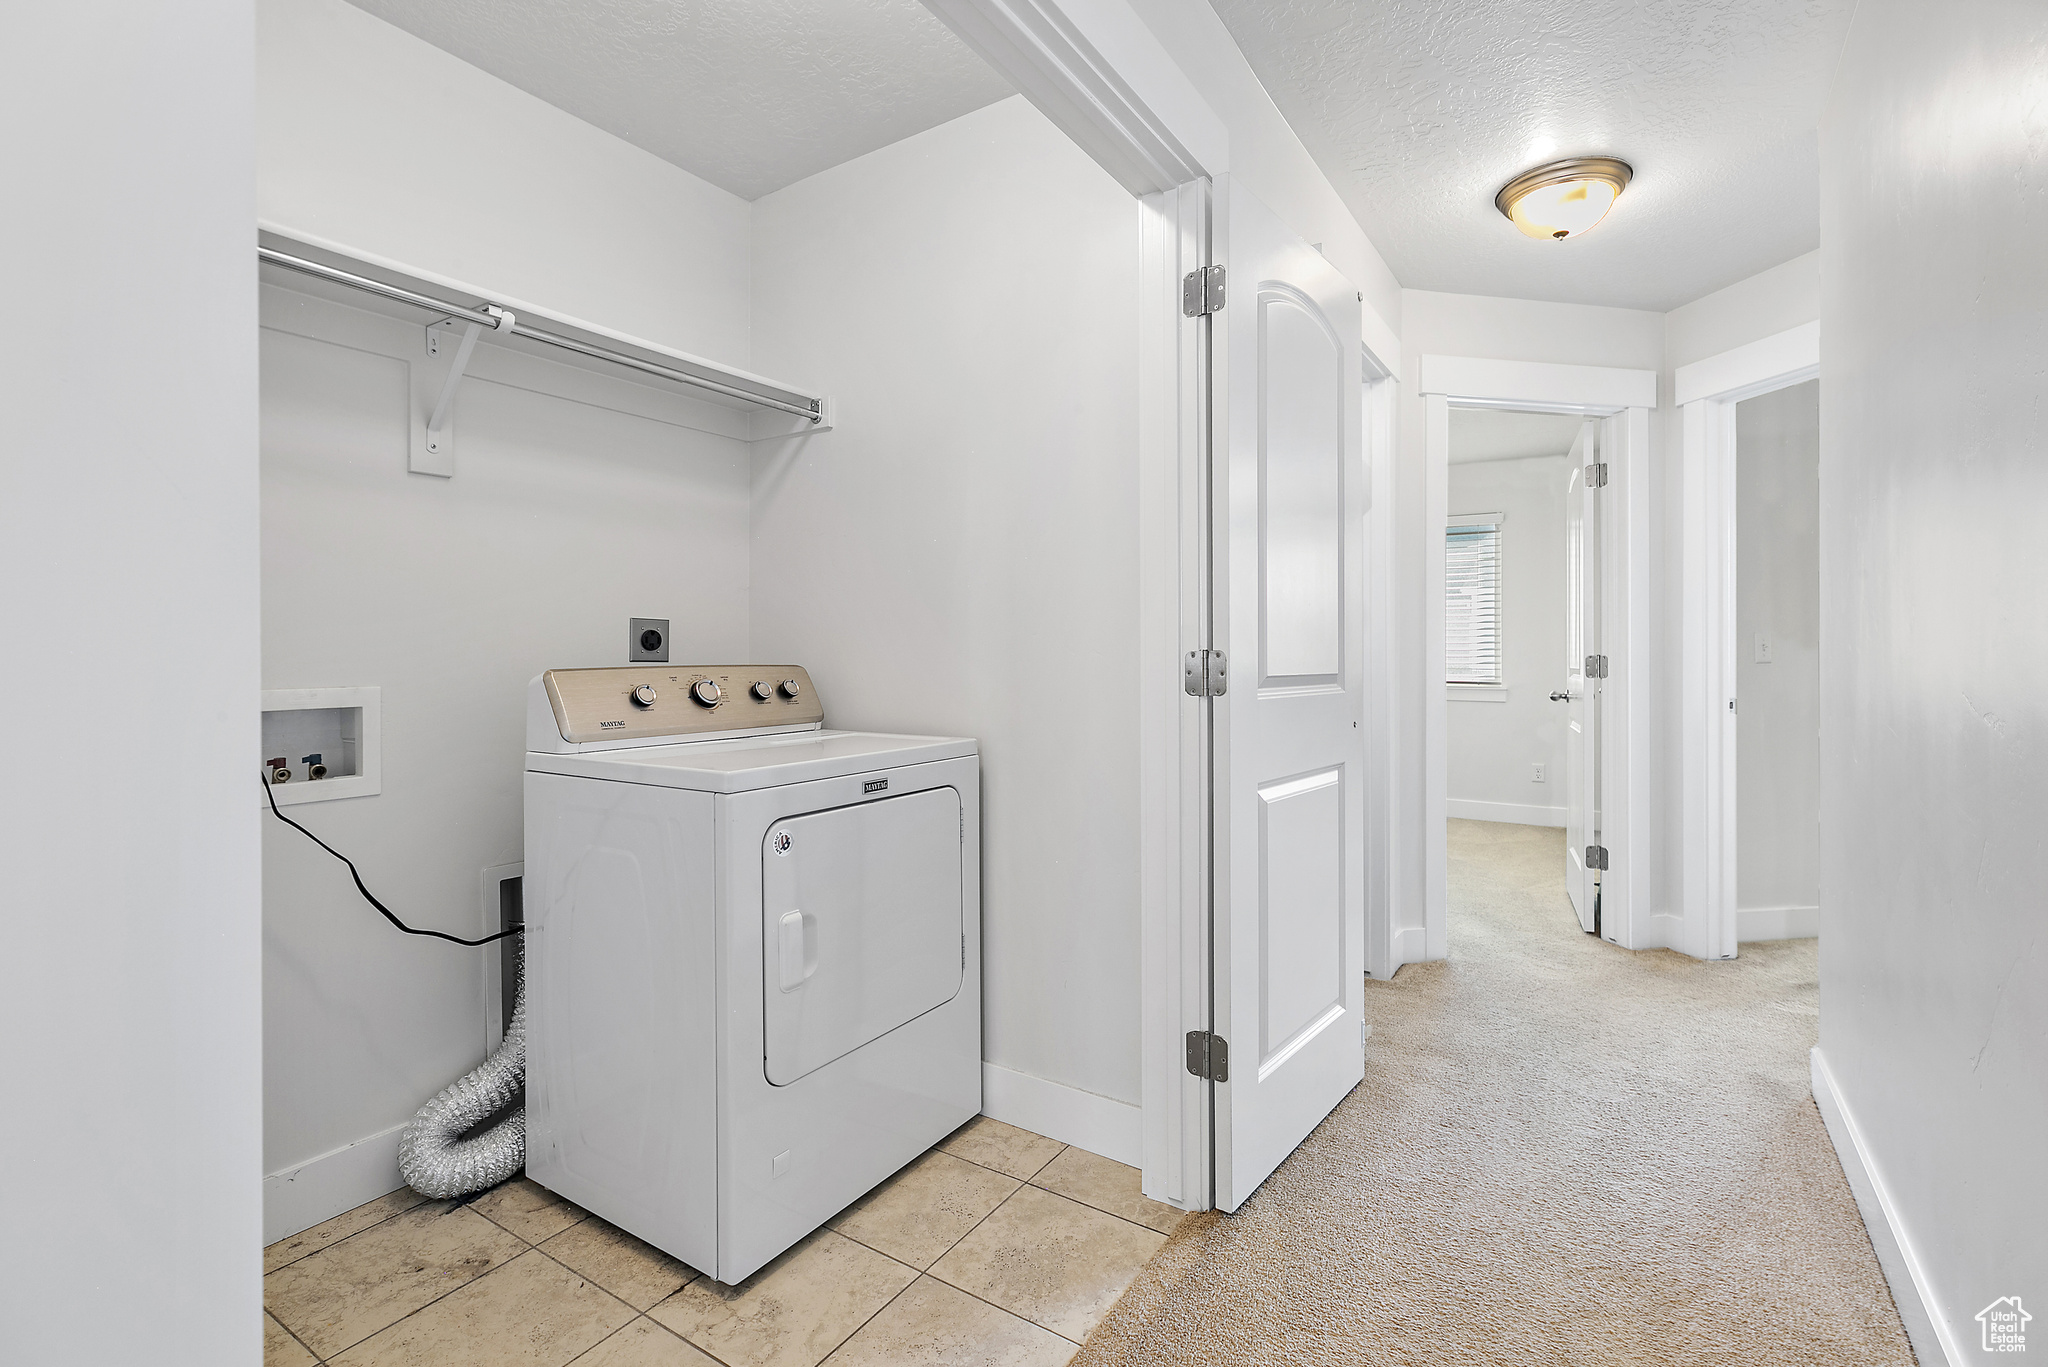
649	701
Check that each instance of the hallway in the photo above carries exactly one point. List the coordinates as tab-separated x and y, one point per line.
1561	1153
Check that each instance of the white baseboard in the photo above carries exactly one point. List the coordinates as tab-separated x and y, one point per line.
1911	1292
321	1188
1514	813
1098	1124
1776	923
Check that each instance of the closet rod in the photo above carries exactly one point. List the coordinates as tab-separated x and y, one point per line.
522	328
364	282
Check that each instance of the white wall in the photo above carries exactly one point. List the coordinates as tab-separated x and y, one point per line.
1528	330
579	502
1777	596
1492	747
1934	479
1771	301
960	555
375	140
128	984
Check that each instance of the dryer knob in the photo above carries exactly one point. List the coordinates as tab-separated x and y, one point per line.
644	695
790	688
762	690
706	691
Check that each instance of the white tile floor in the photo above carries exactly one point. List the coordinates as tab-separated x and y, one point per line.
998	1246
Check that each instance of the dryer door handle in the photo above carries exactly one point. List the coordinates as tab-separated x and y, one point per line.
797	943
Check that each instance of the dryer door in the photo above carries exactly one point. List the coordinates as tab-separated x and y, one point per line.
860	925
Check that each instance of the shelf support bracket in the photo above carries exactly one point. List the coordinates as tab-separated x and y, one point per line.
440	443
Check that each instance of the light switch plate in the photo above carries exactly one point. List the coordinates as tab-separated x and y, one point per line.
647	641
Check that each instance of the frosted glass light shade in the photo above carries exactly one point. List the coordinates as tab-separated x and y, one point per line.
1564	198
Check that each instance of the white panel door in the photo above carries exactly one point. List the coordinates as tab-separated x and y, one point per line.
1289	510
1581	685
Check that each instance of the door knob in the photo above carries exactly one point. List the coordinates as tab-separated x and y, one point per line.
1560	697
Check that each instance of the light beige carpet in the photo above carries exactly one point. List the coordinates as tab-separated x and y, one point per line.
1562	1153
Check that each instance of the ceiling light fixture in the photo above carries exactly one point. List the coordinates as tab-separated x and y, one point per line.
1563	198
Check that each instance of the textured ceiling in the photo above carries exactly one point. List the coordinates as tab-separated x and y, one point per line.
748	94
1419	110
1495	434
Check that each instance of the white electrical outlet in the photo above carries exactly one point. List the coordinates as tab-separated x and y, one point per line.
1536	777
1763	650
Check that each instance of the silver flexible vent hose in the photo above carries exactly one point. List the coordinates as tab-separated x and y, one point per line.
432	1154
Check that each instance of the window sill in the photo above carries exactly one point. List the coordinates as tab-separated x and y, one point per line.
1475	693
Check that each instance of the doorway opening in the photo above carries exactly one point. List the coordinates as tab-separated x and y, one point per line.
1777	664
1520	713
1723	610
1606	568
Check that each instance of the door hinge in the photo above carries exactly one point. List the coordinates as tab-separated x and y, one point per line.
1208	1056
1201	291
1596	856
1596	666
1596	475
1205	674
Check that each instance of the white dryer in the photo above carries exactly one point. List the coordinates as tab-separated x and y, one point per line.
753	954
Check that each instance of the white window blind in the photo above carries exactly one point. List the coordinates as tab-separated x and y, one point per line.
1472	601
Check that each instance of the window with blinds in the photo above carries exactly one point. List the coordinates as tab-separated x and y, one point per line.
1472	602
